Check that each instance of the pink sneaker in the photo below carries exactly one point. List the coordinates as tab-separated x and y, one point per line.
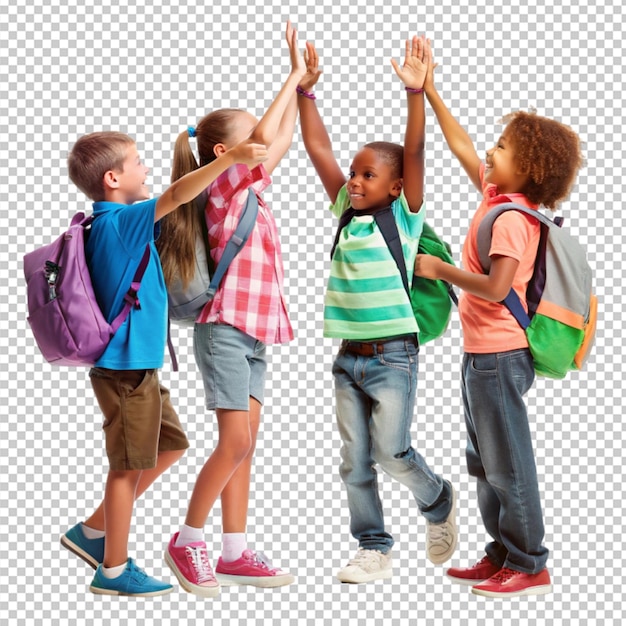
191	565
253	568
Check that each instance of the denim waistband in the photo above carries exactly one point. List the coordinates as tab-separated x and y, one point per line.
379	346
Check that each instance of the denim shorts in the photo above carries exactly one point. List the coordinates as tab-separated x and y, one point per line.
232	365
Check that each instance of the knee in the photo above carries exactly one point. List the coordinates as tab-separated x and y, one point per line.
237	447
391	460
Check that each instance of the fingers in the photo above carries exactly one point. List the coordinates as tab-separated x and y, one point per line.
311	57
397	68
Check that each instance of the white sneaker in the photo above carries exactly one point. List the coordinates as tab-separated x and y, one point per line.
441	539
365	566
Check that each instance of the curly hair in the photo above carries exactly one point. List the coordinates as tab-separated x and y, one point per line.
549	152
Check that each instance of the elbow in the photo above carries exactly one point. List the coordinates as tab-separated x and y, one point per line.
497	294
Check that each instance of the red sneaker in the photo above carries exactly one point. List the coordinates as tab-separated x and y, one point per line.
191	565
253	568
508	583
475	574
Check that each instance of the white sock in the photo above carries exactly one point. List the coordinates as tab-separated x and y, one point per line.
189	534
233	545
91	533
113	572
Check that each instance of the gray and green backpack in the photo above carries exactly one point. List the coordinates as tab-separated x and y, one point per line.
560	324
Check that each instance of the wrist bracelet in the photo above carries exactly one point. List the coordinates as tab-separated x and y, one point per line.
305	93
411	90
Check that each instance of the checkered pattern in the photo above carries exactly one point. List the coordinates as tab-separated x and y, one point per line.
151	69
250	296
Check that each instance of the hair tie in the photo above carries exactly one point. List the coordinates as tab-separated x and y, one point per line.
191	131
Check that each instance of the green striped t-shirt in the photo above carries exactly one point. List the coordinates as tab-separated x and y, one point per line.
365	297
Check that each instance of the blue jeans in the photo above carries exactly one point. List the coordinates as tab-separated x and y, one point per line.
375	398
500	456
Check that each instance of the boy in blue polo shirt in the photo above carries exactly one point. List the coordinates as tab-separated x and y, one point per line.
142	431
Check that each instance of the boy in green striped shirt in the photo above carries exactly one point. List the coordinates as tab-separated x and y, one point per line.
367	306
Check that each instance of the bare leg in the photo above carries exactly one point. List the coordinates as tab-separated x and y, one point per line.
164	461
236	492
234	445
119	497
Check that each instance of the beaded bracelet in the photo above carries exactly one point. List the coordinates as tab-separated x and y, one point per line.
305	93
411	90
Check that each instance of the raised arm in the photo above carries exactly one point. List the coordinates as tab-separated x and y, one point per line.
412	74
191	185
457	138
314	133
275	129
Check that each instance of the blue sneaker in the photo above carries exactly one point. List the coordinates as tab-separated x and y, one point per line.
133	582
89	550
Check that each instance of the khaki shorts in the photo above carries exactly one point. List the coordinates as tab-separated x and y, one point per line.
139	419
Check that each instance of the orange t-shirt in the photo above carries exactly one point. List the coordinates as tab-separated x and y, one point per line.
489	326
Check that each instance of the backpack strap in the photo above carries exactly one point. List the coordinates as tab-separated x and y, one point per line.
483	242
236	241
344	220
130	298
389	230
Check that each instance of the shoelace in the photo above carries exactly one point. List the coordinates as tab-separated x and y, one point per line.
259	558
138	574
503	575
364	557
199	558
439	531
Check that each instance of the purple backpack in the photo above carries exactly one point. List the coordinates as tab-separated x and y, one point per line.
64	315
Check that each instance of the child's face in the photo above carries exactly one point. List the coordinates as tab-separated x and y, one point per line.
132	179
501	168
371	183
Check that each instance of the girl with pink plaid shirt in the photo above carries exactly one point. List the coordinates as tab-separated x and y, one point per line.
231	332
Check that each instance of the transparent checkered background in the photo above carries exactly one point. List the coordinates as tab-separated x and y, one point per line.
70	67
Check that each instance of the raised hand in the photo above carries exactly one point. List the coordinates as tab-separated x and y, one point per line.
313	72
297	62
429	81
415	67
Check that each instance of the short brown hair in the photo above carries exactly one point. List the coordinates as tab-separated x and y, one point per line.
92	156
549	152
390	153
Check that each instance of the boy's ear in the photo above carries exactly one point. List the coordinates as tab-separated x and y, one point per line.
219	149
396	188
110	180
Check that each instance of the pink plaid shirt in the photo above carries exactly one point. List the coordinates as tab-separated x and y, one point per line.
250	296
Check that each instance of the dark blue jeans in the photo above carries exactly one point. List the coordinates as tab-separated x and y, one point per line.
500	456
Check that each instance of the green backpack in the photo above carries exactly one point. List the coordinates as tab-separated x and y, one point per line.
431	299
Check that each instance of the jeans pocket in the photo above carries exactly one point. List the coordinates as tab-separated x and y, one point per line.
399	359
484	363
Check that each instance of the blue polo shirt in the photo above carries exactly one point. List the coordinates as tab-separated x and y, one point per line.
118	239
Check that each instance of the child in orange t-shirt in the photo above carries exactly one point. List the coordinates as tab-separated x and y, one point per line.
534	163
